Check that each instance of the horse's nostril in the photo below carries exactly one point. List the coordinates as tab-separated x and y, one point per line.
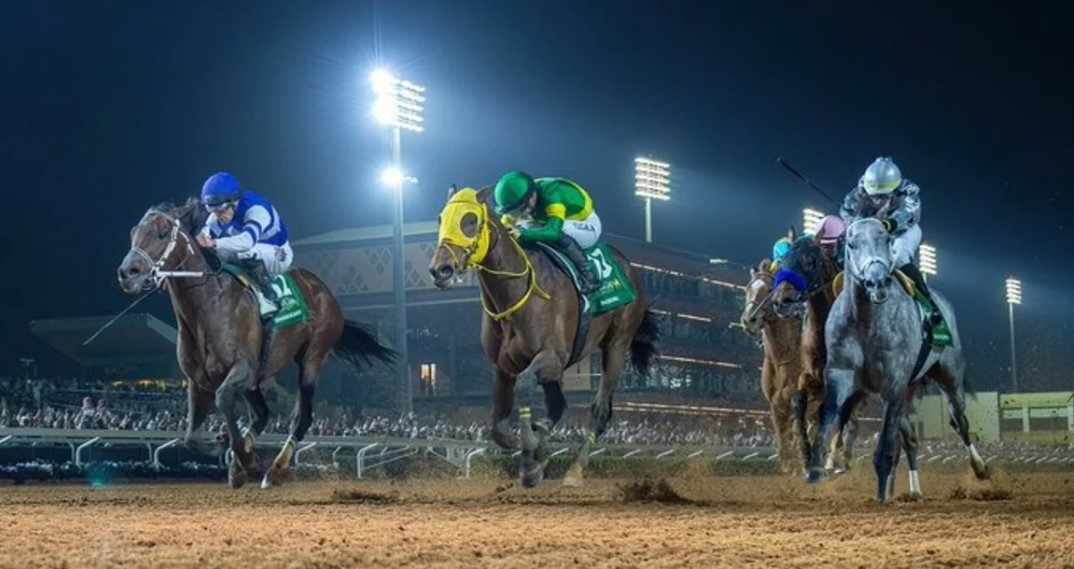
887	281
443	272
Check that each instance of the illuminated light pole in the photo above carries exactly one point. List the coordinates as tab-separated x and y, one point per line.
1014	296
926	255
399	105
652	181
811	220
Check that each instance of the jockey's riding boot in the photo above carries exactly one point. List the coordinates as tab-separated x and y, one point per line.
257	271
915	275
574	252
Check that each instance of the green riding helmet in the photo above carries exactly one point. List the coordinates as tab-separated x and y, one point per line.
513	190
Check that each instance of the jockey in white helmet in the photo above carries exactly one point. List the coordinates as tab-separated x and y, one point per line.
884	194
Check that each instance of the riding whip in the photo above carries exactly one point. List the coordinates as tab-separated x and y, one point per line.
799	175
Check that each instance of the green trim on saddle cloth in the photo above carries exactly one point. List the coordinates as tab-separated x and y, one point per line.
292	305
615	290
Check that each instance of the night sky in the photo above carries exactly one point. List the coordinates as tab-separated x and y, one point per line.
109	107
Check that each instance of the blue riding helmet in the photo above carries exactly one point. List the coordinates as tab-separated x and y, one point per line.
219	190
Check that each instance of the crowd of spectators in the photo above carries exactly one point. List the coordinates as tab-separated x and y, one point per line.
57	404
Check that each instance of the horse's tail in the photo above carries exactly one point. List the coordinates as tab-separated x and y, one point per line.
358	346
643	344
966	387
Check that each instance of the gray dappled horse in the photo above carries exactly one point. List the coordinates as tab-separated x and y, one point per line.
876	342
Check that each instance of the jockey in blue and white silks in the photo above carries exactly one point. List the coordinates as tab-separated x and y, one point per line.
244	228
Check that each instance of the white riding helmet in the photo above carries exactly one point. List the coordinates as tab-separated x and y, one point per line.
881	177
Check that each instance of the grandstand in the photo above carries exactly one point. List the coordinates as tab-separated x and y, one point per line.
135	343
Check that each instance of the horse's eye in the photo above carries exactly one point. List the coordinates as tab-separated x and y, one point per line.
851	246
162	233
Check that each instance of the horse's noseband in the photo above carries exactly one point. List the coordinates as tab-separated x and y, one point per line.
155	267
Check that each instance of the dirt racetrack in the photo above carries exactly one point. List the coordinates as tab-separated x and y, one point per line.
1024	520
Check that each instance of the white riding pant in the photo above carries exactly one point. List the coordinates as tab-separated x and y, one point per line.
586	231
276	259
904	248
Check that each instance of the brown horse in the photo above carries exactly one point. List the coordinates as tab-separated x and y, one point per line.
529	328
219	341
782	366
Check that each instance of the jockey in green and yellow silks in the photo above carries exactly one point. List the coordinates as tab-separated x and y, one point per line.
556	211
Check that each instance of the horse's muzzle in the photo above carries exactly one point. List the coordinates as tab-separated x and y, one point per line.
134	275
878	288
443	274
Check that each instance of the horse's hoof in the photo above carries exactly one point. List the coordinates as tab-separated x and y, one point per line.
236	476
531	477
815	475
839	470
983	473
572	482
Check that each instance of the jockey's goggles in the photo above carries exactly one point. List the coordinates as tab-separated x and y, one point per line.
219	207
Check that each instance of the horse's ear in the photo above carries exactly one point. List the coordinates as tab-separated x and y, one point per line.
792	234
451	190
762	267
192	214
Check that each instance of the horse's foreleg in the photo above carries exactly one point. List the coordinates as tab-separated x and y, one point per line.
838	387
801	430
887	449
503	404
301	419
842	443
546	368
239	379
199	405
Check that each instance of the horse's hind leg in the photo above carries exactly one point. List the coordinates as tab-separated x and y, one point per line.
600	412
956	409
909	446
255	398
301	419
239	379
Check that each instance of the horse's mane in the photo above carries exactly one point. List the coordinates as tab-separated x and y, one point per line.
191	215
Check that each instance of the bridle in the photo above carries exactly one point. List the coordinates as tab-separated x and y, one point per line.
156	267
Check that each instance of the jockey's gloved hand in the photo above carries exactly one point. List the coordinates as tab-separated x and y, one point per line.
899	219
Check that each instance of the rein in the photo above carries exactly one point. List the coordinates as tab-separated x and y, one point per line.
527	271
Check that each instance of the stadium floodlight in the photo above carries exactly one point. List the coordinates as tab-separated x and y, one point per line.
926	255
811	220
652	181
1014	296
400	105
